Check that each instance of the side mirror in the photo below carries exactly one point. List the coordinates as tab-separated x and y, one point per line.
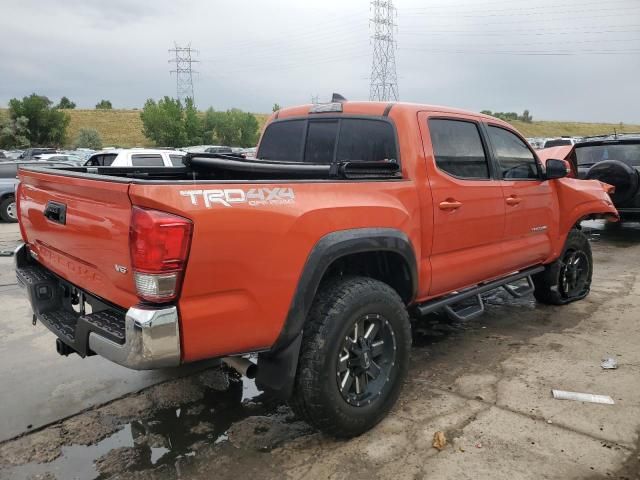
557	169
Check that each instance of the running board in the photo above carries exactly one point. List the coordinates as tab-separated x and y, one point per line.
469	312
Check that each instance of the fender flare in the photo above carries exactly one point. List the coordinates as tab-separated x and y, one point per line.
277	367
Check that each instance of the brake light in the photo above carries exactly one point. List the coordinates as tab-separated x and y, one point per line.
23	234
159	244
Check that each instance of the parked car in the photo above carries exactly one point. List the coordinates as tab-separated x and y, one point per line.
556	142
613	159
136	157
61	158
8	182
31	153
219	149
13	154
311	255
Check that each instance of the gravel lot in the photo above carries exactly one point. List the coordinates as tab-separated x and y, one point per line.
484	384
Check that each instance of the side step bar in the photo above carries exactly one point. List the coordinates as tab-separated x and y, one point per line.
468	312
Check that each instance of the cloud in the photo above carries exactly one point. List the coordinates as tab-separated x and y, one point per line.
542	55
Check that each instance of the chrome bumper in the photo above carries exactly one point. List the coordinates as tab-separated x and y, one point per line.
152	340
151	336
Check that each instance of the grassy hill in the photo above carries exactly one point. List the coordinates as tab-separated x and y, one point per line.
574	129
124	127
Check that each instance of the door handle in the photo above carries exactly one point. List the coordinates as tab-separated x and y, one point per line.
450	204
513	200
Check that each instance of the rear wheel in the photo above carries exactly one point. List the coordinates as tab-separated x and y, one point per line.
8	211
354	357
569	278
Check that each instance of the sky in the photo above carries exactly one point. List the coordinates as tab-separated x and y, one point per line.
560	59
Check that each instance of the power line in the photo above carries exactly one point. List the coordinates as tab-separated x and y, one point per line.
384	82
184	72
528	52
463	8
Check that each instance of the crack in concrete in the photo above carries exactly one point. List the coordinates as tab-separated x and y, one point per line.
537	418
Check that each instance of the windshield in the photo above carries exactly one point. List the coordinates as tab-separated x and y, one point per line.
627	153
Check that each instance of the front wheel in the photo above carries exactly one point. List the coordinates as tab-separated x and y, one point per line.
8	211
354	356
569	278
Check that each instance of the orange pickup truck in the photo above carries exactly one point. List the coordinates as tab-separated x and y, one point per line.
353	218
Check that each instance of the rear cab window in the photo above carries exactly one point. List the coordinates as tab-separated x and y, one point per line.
329	140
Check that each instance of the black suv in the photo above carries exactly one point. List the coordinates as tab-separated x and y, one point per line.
614	159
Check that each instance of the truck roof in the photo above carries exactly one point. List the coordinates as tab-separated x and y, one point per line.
379	109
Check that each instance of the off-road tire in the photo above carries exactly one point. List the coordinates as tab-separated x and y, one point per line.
339	304
548	284
5	206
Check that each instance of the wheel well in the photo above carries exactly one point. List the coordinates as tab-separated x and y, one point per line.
5	196
387	266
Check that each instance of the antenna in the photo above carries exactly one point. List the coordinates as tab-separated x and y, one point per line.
384	82
184	72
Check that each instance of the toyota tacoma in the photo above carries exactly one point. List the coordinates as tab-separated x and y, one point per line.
353	218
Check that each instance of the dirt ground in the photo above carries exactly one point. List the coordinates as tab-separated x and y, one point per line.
485	384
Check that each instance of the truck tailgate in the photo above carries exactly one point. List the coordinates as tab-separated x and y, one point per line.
84	235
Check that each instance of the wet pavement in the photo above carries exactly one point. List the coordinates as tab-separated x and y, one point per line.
484	383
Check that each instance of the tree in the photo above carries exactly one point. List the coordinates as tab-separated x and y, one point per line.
233	127
486	112
65	103
276	107
168	123
88	138
104	105
192	123
14	133
163	122
526	117
46	126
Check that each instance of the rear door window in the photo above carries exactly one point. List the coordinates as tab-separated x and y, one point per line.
147	160
516	161
458	149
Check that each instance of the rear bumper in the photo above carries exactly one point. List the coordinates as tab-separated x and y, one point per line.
152	340
139	338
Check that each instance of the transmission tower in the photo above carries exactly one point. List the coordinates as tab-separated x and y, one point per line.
184	72
384	82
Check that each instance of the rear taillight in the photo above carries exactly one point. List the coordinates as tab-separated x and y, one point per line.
23	234
159	244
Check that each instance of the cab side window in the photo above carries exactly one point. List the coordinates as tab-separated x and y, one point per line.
458	149
514	157
147	160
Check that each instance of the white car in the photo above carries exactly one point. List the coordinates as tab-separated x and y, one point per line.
60	157
136	157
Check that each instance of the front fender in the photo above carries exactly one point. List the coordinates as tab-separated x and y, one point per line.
583	199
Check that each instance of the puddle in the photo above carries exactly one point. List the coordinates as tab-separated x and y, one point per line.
76	461
161	438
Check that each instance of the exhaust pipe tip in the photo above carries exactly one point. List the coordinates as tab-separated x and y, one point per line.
242	365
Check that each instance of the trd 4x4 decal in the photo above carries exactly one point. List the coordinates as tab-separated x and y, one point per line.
226	197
